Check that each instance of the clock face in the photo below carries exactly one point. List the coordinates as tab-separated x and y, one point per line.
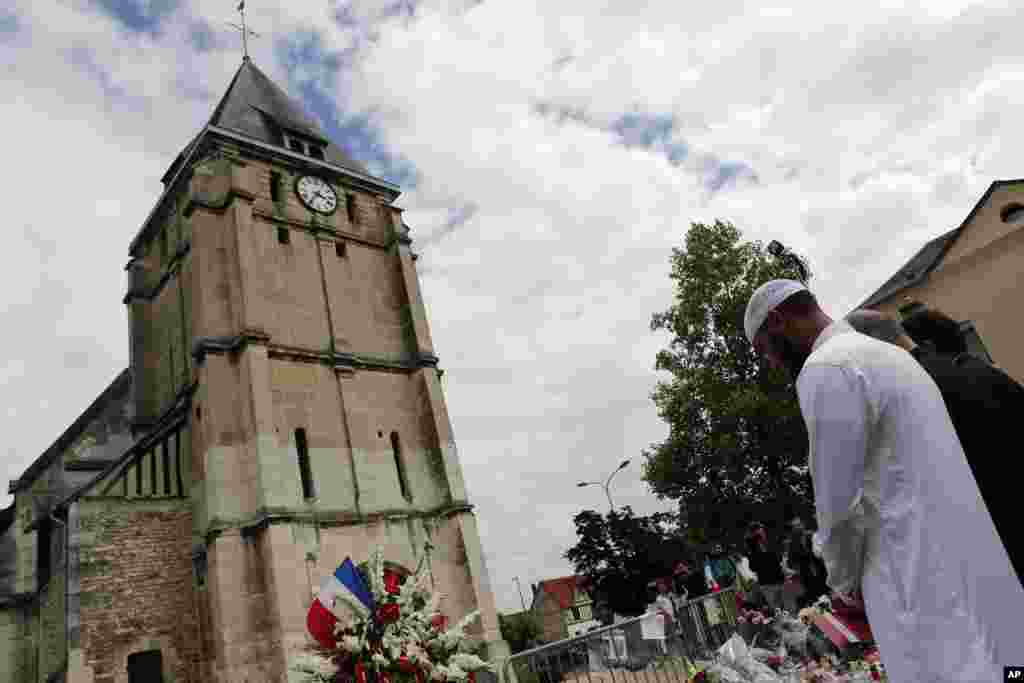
316	194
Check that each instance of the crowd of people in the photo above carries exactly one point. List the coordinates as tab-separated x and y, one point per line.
914	523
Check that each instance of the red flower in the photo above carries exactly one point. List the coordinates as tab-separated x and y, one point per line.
875	675
439	622
392	583
701	677
740	600
775	661
405	666
389	613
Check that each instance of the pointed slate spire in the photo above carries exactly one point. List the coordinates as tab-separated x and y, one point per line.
254	106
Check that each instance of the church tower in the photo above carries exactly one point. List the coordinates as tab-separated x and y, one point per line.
279	335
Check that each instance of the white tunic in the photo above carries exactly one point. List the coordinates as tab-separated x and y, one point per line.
900	515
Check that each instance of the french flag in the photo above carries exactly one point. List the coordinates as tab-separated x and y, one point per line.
345	581
844	629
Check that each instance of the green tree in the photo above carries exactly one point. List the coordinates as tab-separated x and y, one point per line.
518	630
620	553
735	429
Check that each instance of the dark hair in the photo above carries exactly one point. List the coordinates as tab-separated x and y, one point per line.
799	304
930	327
876	324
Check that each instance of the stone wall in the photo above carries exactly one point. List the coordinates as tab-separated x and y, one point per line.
272	267
158	313
17	644
52	627
137	588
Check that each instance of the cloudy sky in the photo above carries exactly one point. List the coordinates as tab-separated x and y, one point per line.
551	154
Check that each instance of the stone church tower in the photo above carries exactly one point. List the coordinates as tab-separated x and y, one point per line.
282	410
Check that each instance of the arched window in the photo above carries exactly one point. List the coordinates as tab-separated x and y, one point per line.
396	451
1013	214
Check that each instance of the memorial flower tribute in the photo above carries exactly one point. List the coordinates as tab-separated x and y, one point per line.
371	624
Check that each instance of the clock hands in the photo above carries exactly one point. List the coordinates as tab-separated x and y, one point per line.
317	194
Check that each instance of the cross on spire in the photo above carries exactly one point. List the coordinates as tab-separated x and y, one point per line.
245	32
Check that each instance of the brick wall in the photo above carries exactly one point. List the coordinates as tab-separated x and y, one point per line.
137	587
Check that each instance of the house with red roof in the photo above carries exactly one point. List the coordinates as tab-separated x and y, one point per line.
562	608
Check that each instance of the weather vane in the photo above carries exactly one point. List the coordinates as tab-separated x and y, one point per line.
245	31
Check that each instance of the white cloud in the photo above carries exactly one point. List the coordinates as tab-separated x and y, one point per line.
870	128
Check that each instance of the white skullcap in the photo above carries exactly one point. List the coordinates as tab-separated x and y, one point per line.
764	300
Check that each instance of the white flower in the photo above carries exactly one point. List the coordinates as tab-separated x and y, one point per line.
469	662
376	572
351	644
380	659
318	667
455	673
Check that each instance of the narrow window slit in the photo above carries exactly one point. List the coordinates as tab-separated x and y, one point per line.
396	450
275	186
305	472
350	208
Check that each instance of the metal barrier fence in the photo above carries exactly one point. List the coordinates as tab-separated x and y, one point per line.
620	654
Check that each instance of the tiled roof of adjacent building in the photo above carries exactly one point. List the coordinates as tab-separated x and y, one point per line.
915	270
562	589
928	258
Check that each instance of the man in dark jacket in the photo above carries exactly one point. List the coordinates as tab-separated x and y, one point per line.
984	404
767	564
810	568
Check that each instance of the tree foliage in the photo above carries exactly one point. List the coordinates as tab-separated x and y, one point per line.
518	630
735	429
620	553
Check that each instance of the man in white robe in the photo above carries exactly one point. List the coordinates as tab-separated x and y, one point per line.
899	513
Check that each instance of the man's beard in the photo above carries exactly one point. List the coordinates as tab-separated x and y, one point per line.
792	358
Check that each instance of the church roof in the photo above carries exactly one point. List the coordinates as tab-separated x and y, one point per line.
255	110
118	390
255	107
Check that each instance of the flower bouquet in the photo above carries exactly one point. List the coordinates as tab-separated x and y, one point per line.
755	624
375	625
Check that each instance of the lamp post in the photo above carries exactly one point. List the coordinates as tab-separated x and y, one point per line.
521	600
606	484
779	251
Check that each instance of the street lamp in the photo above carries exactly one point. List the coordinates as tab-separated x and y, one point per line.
606	484
521	600
779	251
